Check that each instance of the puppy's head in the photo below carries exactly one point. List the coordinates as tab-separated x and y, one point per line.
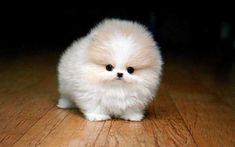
123	52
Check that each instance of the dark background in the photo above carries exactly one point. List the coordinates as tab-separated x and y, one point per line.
200	33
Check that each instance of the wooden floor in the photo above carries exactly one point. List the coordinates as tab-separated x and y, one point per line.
195	106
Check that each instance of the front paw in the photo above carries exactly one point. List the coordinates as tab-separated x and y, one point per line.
65	103
133	116
97	117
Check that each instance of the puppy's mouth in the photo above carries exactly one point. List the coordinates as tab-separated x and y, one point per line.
117	78
118	81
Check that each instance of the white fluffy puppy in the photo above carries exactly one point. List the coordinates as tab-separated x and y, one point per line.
114	71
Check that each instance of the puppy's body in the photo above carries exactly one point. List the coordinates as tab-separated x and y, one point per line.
113	71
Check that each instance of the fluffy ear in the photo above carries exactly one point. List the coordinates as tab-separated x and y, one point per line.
144	58
99	53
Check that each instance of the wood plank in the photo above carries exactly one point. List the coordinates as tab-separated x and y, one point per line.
211	121
68	128
43	129
27	92
220	83
193	108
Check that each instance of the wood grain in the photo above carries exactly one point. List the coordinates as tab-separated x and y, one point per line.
207	115
27	93
193	108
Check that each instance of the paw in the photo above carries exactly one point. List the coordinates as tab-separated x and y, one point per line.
97	117
65	103
133	116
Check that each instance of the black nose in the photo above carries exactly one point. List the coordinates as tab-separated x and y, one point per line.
119	75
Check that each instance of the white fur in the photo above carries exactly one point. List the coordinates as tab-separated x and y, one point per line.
96	91
66	103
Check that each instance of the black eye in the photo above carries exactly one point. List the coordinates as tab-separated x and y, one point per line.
130	70
109	67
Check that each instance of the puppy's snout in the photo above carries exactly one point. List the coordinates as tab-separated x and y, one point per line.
119	75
